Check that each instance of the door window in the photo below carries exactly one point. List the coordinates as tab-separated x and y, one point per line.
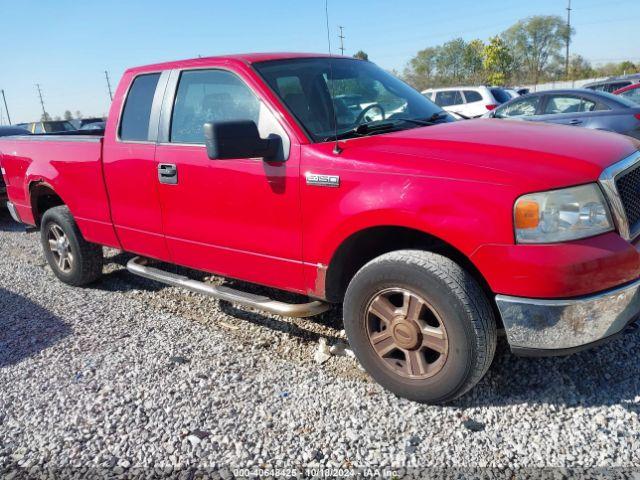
472	96
559	104
38	128
520	108
134	125
210	96
449	98
633	95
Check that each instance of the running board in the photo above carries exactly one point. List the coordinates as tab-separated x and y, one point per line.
137	266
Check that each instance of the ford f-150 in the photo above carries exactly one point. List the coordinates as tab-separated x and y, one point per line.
432	233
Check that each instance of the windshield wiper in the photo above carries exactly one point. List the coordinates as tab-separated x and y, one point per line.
365	129
432	120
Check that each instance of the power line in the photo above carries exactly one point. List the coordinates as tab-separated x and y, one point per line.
566	64
106	75
341	37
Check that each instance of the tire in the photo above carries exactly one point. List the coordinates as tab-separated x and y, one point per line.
454	342
73	260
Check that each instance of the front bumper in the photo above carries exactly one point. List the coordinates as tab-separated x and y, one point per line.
556	327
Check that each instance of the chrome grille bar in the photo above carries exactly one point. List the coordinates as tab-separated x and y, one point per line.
607	181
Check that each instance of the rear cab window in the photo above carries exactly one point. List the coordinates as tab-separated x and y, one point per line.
134	123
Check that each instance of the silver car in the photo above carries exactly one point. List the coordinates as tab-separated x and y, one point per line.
581	108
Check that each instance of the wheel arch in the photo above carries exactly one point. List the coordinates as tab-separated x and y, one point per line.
368	243
42	197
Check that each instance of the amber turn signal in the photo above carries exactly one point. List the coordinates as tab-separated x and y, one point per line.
527	214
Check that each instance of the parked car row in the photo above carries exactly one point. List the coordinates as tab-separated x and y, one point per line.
59	126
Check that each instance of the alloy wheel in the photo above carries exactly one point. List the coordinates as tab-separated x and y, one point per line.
407	333
60	248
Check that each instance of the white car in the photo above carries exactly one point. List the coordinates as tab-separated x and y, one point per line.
468	101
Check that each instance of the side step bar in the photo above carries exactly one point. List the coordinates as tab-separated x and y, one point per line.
137	266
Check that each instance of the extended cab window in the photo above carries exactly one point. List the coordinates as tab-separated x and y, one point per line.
210	96
134	125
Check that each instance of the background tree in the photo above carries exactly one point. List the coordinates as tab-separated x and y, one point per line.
78	115
579	67
498	62
614	69
537	41
68	115
473	62
361	55
451	63
421	70
45	117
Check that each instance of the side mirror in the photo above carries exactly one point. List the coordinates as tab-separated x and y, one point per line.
238	139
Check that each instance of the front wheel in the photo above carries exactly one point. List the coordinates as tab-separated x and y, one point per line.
72	259
420	325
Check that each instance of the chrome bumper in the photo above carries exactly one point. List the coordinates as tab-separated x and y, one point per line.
14	213
532	324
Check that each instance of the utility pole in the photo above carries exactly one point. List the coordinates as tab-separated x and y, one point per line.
341	37
5	107
44	112
106	75
566	64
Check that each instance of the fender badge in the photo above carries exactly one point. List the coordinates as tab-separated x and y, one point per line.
322	180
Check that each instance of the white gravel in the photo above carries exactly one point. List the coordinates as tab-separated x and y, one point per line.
133	377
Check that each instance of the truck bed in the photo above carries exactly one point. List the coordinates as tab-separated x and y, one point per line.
72	163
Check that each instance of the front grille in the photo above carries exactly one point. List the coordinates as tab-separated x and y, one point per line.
628	185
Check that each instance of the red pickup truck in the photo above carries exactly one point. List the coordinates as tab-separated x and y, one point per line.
329	177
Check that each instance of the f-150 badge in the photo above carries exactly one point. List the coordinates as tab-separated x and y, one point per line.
323	180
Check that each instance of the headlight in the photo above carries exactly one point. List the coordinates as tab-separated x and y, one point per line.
562	215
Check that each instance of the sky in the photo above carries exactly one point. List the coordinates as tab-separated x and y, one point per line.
66	45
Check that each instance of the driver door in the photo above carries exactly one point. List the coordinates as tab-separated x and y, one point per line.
238	217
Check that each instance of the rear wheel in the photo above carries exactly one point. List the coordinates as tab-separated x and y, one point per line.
420	325
72	259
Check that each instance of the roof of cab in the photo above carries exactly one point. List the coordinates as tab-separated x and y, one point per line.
246	58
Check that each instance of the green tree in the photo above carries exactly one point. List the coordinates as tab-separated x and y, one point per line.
45	117
361	55
537	41
473	61
450	62
421	70
579	67
68	115
498	62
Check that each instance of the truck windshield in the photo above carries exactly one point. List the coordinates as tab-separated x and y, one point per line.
355	93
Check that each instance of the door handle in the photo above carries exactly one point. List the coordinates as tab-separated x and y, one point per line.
167	173
575	121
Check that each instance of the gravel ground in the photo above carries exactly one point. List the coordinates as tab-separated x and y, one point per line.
131	376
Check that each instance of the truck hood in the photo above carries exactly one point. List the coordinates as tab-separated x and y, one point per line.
499	151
